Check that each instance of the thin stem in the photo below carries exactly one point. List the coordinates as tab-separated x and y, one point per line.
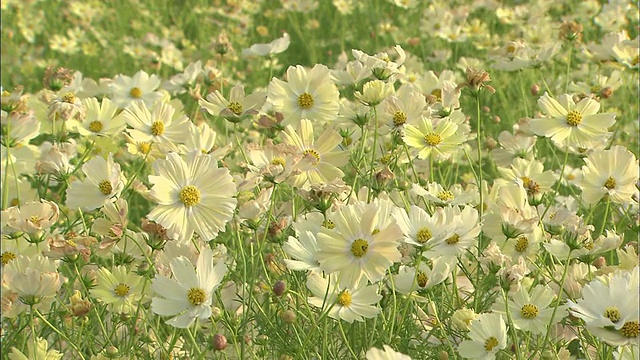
61	334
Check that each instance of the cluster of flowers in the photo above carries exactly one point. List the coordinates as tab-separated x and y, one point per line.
343	187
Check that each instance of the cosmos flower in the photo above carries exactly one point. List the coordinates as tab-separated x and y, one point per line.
188	295
568	123
192	196
306	95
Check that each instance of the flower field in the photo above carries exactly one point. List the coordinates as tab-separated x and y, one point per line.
305	179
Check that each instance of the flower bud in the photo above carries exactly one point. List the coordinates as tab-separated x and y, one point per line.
535	89
219	342
289	316
279	288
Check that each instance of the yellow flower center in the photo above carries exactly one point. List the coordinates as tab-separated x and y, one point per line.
305	101
35	220
196	296
235	107
69	98
445	195
278	161
433	139
529	311
359	247
96	126
399	118
328	224
421	279
453	239
144	147
490	343
630	329
157	128
423	235
522	243
613	314
135	93
190	195
105	187
314	154
121	290
344	298
437	93
7	256
610	183
574	118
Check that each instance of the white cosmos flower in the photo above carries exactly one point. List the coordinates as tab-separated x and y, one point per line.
386	354
306	95
103	183
356	247
568	123
193	195
275	47
141	86
488	335
189	294
347	303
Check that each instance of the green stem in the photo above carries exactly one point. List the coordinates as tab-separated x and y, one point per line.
61	334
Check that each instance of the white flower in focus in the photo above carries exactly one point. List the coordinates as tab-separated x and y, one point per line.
103	183
571	124
121	290
237	107
609	308
612	173
306	95
125	90
192	196
100	119
189	294
488	335
347	303
356	247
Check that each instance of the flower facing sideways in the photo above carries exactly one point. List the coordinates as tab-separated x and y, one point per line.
488	335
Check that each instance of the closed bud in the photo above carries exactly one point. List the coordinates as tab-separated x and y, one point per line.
606	92
443	355
535	89
111	352
496	119
289	316
600	262
491	144
219	342
279	288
